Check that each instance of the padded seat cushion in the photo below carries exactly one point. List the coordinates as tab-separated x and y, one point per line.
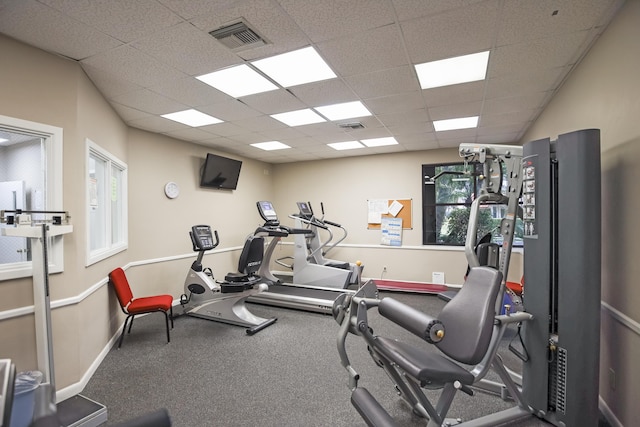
145	304
422	365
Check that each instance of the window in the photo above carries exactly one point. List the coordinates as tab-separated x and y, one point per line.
447	193
30	179
106	204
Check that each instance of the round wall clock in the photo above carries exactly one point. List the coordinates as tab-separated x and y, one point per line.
171	190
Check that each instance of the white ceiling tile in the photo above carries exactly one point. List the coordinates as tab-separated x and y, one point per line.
192	8
134	66
230	110
124	20
504	138
52	31
267	18
521	102
457	32
225	129
524	20
384	82
454	94
525	82
373	50
453	111
332	91
280	134
156	124
110	86
149	102
328	19
395	103
412	9
188	49
191	92
550	52
514	117
404	118
127	113
190	134
273	102
146	100
371	44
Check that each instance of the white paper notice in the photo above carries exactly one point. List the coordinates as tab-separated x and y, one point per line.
395	208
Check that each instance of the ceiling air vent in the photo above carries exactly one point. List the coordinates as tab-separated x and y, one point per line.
351	126
238	36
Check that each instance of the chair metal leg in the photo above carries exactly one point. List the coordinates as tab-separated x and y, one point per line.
171	311
124	328
131	323
166	319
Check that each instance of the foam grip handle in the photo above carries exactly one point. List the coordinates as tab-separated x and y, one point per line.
426	327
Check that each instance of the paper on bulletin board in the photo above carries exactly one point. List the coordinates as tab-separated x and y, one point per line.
395	207
391	231
375	209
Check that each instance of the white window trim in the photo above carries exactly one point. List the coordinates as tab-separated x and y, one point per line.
53	192
95	256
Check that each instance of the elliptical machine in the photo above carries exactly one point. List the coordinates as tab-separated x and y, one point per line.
310	266
224	301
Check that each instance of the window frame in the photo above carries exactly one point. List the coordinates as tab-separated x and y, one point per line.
53	183
429	201
110	248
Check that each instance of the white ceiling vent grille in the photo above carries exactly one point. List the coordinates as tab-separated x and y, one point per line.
351	126
238	36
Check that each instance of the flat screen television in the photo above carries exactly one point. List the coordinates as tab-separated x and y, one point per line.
220	172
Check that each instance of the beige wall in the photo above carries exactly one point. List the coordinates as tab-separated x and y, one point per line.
604	92
43	88
344	186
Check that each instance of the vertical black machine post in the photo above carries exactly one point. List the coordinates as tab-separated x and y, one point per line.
562	262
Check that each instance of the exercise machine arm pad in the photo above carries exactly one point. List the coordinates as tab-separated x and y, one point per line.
426	327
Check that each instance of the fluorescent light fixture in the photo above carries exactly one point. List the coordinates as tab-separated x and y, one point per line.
379	142
454	124
295	68
346	110
238	81
461	69
346	145
270	145
192	117
299	117
3	140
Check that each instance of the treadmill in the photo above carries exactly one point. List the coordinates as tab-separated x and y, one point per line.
302	297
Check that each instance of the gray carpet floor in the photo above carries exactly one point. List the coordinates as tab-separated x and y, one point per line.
289	374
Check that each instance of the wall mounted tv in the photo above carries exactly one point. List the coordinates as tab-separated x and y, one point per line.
220	172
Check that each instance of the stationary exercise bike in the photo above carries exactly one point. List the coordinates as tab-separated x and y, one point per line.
224	301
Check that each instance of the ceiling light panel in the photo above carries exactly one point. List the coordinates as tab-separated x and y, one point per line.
295	68
299	117
454	124
346	145
238	81
446	72
192	118
270	145
346	110
379	142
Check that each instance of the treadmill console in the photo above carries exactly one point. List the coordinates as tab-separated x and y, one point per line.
202	238
305	210
267	212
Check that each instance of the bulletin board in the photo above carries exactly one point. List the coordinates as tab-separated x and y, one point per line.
404	213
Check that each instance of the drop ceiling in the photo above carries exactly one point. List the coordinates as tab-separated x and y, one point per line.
144	55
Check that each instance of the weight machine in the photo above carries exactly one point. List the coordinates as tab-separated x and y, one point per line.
560	317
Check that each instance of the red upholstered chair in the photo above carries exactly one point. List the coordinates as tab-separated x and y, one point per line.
133	306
